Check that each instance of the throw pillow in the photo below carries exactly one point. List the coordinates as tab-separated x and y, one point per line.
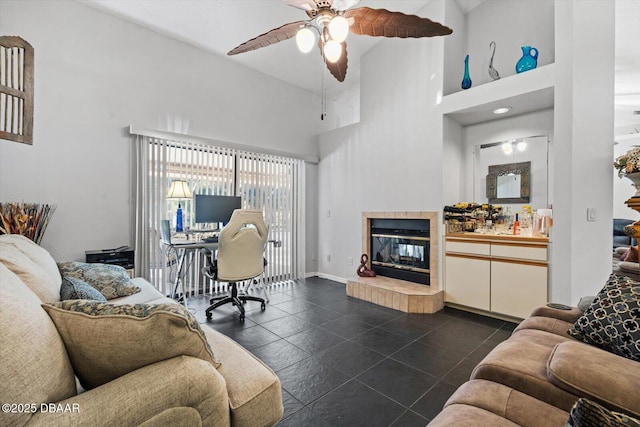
632	256
112	281
106	341
612	322
586	413
73	288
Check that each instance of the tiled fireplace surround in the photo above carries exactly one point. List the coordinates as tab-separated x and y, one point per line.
400	295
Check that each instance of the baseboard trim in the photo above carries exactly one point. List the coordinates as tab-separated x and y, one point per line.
331	277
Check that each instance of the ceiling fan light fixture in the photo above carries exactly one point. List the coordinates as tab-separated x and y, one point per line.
332	51
339	28
305	39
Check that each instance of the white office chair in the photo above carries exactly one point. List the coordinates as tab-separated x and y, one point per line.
240	257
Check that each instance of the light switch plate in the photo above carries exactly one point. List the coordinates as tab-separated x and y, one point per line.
591	214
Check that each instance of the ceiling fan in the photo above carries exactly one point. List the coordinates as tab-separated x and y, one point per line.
332	20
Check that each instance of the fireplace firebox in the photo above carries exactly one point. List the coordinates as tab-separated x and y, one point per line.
400	248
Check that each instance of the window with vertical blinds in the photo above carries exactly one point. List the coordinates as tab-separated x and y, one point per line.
268	183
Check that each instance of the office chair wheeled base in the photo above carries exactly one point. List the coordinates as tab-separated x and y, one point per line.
235	299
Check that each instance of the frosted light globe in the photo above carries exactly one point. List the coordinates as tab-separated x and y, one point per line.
339	28
332	50
305	40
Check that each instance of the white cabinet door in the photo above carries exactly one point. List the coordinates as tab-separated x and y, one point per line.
468	281
516	289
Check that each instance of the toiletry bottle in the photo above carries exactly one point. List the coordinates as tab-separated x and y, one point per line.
516	226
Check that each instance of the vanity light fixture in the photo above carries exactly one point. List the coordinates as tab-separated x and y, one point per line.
502	110
507	148
521	146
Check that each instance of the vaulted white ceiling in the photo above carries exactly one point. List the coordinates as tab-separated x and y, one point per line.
218	26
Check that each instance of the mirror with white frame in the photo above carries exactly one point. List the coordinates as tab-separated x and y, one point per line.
512	172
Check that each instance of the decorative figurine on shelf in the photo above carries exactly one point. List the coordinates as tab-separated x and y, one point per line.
493	73
466	80
363	270
529	59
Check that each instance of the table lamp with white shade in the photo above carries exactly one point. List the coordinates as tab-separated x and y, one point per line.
179	190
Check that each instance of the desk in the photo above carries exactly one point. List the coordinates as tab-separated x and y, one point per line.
182	248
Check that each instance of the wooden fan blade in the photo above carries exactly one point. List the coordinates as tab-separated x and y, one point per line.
271	37
383	23
337	69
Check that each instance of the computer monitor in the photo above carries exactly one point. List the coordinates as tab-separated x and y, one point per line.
216	209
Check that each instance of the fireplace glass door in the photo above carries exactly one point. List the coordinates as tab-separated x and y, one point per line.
401	252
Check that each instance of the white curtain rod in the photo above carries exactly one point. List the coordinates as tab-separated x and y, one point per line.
172	136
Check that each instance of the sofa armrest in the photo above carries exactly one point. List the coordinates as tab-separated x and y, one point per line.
566	315
590	372
182	388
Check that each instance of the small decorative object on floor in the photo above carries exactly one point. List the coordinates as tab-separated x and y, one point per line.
466	80
529	59
27	219
363	270
493	73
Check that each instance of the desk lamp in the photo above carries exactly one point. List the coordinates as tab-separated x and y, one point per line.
179	191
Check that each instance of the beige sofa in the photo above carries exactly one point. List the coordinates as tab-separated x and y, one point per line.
535	377
38	379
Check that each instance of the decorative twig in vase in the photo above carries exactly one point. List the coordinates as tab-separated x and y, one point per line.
27	219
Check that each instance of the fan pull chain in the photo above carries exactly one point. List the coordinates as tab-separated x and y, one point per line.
324	95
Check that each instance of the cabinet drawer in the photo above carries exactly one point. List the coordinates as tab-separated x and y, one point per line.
467	282
534	253
468	247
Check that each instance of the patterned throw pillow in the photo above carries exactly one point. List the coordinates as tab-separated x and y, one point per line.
586	413
612	322
73	288
112	281
106	341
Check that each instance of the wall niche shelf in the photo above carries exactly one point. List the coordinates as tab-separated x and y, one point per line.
524	93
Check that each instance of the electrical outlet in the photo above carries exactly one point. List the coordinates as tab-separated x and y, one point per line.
591	214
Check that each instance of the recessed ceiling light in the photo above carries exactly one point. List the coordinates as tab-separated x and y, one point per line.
501	110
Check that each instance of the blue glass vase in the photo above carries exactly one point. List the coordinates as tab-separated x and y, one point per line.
529	59
466	80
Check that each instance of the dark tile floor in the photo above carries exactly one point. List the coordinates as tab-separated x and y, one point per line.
346	362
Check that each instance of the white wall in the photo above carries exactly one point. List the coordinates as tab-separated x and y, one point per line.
583	149
392	159
311	218
457	171
94	75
